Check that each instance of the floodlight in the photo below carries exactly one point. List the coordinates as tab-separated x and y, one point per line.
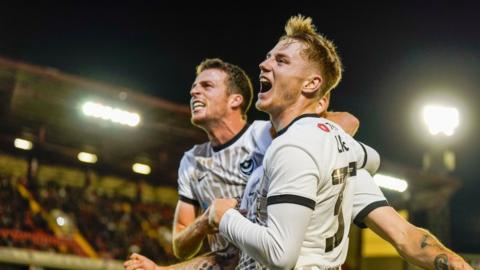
115	115
441	119
87	157
22	144
141	168
390	182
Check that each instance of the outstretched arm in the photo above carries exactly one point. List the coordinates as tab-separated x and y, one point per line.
416	245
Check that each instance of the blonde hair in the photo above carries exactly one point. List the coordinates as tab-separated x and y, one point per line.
319	50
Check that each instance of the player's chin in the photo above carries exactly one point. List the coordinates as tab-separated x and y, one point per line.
262	105
198	119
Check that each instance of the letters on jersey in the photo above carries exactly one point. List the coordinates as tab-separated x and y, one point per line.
325	244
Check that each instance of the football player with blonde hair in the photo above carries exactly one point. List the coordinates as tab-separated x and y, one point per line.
303	204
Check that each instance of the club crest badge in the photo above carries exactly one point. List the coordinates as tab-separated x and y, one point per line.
247	166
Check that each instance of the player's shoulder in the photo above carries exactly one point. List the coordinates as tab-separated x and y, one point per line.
198	150
330	128
261	123
259	135
332	132
311	127
259	127
309	132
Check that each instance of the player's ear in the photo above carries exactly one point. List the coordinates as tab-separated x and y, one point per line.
312	84
323	103
235	100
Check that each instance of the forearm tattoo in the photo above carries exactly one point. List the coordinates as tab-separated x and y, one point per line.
441	262
424	242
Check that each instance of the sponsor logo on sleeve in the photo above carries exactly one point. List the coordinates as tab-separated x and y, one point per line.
323	127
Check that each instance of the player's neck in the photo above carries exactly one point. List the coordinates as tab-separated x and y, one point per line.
224	130
284	117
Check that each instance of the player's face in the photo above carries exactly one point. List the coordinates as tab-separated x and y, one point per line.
208	100
282	75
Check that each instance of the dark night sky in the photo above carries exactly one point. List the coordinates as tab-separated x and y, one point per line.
396	57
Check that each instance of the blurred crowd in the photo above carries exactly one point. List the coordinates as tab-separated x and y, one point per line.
114	226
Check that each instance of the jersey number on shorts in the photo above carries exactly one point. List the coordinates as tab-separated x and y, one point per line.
339	177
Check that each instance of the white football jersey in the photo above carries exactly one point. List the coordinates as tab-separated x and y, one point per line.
336	157
366	198
207	172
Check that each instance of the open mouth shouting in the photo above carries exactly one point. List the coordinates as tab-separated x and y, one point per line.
265	84
196	105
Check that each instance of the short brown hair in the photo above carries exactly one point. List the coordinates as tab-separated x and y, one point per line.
238	80
318	49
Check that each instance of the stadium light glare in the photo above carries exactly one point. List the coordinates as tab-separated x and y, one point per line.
390	182
23	144
441	119
115	115
60	221
141	168
87	157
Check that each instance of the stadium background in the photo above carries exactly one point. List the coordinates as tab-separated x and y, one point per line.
140	56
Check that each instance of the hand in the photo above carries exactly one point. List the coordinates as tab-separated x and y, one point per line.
205	223
218	208
139	262
348	122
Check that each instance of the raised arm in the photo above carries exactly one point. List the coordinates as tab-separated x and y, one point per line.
416	245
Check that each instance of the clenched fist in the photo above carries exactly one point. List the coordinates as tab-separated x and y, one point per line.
218	208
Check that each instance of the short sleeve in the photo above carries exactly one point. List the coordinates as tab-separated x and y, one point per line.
366	198
185	191
367	157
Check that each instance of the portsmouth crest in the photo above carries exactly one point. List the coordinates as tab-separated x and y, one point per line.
247	166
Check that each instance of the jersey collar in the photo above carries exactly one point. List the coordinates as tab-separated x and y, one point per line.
231	141
283	130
